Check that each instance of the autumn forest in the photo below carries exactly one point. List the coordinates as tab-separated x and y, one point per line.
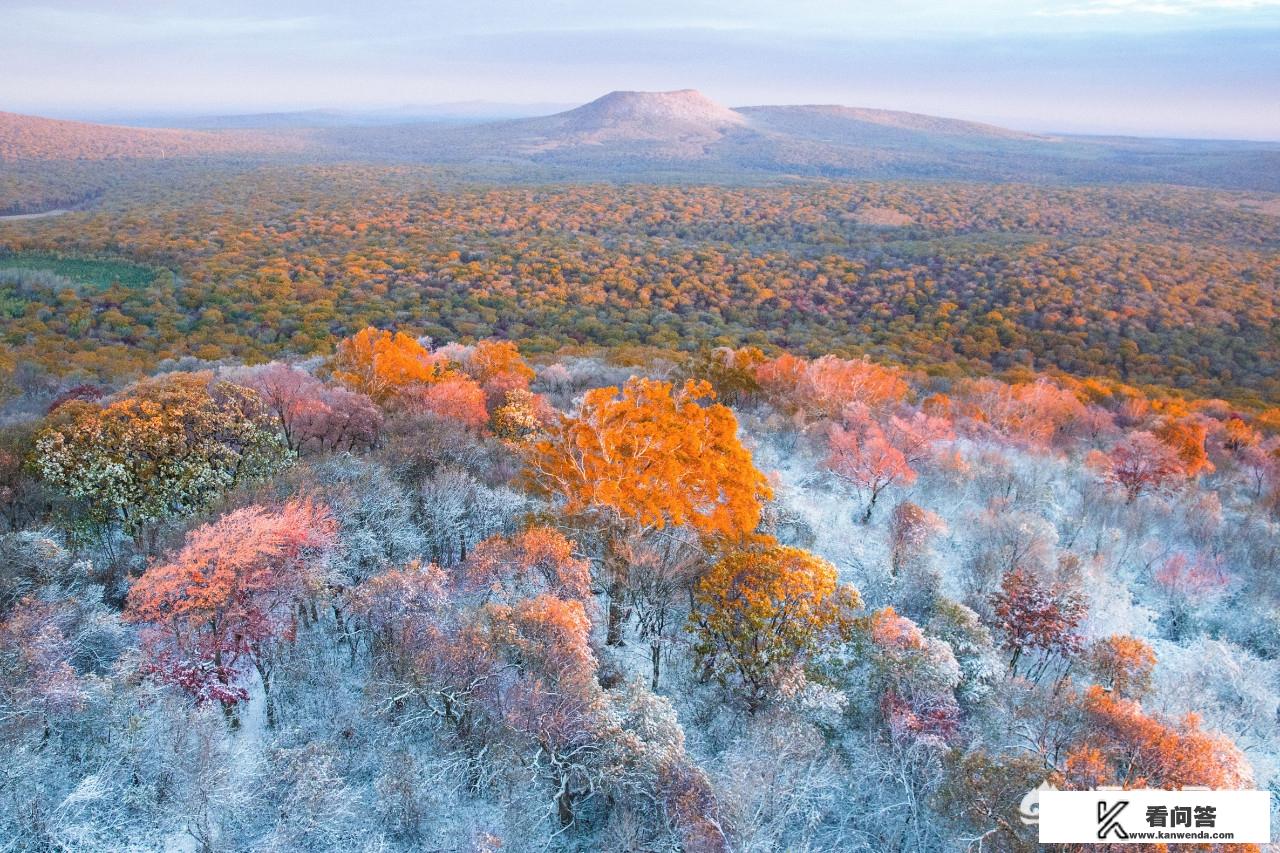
350	504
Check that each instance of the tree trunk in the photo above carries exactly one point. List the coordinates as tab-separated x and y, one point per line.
228	711
871	504
266	698
616	615
615	568
564	805
655	656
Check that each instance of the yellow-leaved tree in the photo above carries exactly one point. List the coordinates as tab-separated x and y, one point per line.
763	615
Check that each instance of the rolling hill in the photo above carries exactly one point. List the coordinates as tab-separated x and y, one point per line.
25	137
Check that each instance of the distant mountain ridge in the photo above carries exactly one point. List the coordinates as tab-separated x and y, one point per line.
794	117
24	137
676	124
682	135
651	113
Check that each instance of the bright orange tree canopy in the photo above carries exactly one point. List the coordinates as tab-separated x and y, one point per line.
381	363
650	455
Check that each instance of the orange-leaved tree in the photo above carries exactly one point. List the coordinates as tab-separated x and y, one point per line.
1186	438
646	457
1125	746
500	369
1124	665
761	615
385	364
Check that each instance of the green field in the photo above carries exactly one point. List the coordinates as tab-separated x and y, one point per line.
91	272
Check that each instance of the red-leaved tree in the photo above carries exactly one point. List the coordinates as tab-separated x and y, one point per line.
1141	464
1033	616
312	414
229	597
871	457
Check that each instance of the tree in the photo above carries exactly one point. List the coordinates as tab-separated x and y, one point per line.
1125	746
864	458
973	646
1124	665
983	790
29	560
553	699
1033	413
535	561
911	529
871	457
831	384
1141	464
916	676
645	458
499	369
521	416
230	595
827	385
452	398
1036	617
310	413
1238	436
732	373
1186	438
660	571
170	448
1187	583
23	497
503	652
383	364
402	613
37	680
762	615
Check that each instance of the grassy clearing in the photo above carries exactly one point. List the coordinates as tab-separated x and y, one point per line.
90	272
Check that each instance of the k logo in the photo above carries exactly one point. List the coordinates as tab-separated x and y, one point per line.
1109	819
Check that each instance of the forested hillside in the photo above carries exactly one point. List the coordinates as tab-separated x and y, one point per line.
409	445
410	597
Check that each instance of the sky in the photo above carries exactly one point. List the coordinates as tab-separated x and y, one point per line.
1188	68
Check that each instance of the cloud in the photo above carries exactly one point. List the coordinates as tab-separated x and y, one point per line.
1103	8
87	26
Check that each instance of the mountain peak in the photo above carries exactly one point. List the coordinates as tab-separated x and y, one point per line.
682	106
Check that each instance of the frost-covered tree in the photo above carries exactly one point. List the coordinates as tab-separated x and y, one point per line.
165	449
229	598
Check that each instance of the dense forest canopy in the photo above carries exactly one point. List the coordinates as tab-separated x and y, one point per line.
1148	285
379	507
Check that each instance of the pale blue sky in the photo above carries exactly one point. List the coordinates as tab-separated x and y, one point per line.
1155	67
